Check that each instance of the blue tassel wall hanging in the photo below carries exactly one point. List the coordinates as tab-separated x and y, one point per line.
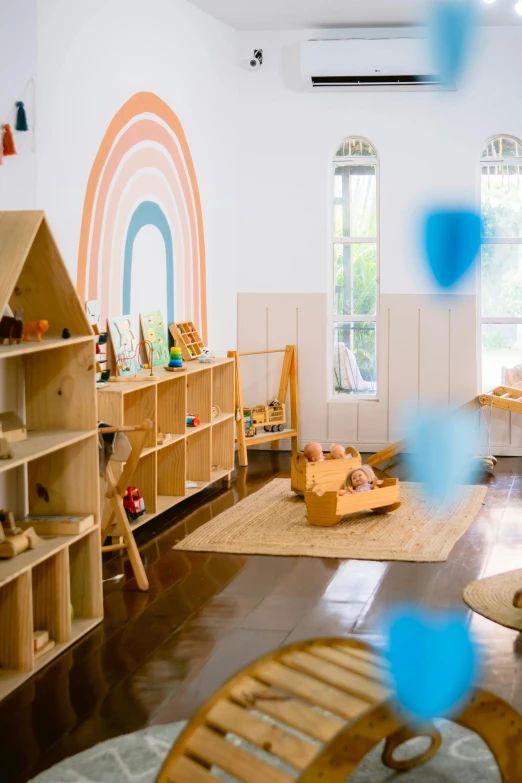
21	117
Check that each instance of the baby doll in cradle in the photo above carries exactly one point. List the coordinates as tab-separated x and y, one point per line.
361	479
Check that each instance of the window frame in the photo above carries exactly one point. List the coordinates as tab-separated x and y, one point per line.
333	319
483	320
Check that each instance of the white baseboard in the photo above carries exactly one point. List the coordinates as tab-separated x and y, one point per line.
371	448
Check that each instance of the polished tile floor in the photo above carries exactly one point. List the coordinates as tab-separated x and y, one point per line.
159	655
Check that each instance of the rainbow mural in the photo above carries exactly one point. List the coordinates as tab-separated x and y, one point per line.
143	175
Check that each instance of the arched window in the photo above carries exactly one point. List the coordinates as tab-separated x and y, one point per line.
501	262
355	269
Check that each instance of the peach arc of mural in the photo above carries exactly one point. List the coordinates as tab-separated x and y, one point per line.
144	138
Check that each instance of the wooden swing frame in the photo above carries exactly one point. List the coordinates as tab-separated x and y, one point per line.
288	380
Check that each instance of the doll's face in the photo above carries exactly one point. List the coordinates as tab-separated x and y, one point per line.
359	478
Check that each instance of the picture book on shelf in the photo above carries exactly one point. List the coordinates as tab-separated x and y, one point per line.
124	340
153	328
58	525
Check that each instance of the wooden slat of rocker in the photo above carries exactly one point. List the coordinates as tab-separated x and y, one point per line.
353	664
228	717
208	746
185	770
285	709
364	655
331	674
311	690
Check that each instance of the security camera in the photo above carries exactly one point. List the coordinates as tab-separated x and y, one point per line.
256	61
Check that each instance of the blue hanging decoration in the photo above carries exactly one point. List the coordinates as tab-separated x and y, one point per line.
451	28
21	117
433	662
452	240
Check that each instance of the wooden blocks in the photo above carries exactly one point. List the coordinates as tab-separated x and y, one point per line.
186	337
329	474
327	508
12	427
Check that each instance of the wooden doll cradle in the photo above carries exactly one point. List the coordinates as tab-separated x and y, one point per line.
327	508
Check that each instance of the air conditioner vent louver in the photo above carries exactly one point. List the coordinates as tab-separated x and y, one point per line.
383	62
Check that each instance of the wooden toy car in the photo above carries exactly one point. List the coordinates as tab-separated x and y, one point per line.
272	417
326	507
329	474
133	503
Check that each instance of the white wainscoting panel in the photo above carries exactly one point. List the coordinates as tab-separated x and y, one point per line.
427	355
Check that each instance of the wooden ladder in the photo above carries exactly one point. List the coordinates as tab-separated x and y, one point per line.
504	397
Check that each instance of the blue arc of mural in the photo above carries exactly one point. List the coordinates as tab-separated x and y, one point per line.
148	213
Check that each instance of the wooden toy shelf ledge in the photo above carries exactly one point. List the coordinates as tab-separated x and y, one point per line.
51	386
202	455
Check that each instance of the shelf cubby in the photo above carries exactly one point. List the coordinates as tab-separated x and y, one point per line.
198	455
60	388
172	469
64	484
85	591
50	583
199	395
172	405
223	387
16	626
223	434
145	478
140	406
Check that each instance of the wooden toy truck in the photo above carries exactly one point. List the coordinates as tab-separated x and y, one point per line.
272	417
326	507
330	474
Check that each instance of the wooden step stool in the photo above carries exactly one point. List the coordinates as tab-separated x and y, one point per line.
334	693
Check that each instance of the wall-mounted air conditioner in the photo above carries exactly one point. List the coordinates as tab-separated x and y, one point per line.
380	62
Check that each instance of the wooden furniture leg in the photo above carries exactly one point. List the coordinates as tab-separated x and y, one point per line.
115	510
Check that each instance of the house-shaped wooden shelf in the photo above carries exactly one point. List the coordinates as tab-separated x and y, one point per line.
51	386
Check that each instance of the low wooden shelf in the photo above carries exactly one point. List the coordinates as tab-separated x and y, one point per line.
203	454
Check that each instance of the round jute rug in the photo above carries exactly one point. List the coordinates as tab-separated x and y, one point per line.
493	598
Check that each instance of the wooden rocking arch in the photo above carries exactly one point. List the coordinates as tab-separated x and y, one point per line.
272	698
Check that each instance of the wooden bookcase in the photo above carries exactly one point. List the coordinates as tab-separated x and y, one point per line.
55	470
203	454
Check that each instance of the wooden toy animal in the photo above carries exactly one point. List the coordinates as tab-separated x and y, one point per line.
38	328
11	328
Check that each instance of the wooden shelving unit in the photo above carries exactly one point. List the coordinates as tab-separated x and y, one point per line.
56	468
203	454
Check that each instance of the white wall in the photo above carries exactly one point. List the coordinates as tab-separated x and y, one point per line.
429	146
17	66
92	57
